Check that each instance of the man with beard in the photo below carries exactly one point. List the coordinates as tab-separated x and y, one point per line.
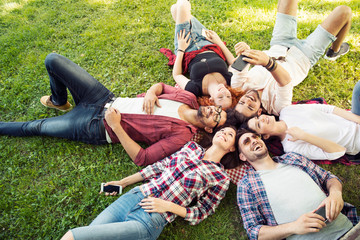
287	63
165	117
278	197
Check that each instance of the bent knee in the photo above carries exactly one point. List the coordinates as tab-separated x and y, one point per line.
52	58
344	12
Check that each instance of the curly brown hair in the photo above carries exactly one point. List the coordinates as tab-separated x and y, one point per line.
236	94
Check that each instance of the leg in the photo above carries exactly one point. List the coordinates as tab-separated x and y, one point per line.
83	123
123	219
288	7
355	101
65	74
338	24
181	11
285	28
184	20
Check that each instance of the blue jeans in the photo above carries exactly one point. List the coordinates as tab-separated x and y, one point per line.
123	219
83	123
285	34
195	28
355	101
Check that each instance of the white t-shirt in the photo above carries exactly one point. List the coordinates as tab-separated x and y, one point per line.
274	97
318	119
291	193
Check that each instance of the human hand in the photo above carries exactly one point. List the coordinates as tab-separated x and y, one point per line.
240	47
113	117
183	40
296	134
116	183
256	57
213	37
151	204
308	223
150	100
334	203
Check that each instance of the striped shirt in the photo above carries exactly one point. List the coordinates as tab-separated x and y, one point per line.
185	176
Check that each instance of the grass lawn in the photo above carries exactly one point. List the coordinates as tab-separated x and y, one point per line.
50	185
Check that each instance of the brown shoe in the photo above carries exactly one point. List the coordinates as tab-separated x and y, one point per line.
46	101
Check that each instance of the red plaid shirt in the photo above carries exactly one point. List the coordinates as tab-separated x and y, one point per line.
185	176
188	56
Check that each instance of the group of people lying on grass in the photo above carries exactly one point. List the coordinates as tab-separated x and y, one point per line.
278	196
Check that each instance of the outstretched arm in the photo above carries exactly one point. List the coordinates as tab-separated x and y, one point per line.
347	115
183	43
256	57
325	144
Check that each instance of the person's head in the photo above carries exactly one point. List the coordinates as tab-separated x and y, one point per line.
226	96
224	138
211	117
265	125
249	105
250	146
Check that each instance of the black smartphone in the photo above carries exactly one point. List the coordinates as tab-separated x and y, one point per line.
239	63
321	211
111	188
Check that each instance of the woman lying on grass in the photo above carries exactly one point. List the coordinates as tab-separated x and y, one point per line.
317	131
190	174
202	53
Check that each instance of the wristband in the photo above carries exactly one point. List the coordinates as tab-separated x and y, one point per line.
181	50
273	67
269	63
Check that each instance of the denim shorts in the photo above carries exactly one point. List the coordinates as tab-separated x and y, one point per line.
123	219
285	34
195	28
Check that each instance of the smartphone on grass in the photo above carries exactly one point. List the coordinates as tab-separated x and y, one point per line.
111	188
239	63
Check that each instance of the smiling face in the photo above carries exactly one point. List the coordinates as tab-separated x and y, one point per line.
211	117
264	124
225	138
222	97
249	104
251	147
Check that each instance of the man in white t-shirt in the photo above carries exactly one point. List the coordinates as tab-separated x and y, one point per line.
287	63
278	196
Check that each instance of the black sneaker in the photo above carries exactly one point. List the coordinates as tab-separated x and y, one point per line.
332	56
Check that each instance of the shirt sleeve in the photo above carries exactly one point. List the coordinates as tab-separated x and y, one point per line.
283	97
155	168
251	217
207	204
309	150
164	147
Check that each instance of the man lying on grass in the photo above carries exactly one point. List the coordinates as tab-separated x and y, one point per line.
165	117
282	197
286	64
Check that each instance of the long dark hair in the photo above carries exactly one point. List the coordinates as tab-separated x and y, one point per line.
229	160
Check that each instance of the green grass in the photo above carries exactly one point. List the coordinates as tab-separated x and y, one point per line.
50	185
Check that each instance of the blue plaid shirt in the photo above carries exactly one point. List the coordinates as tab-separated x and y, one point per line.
253	202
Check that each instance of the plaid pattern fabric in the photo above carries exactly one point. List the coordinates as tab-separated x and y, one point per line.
253	202
188	56
185	176
236	174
